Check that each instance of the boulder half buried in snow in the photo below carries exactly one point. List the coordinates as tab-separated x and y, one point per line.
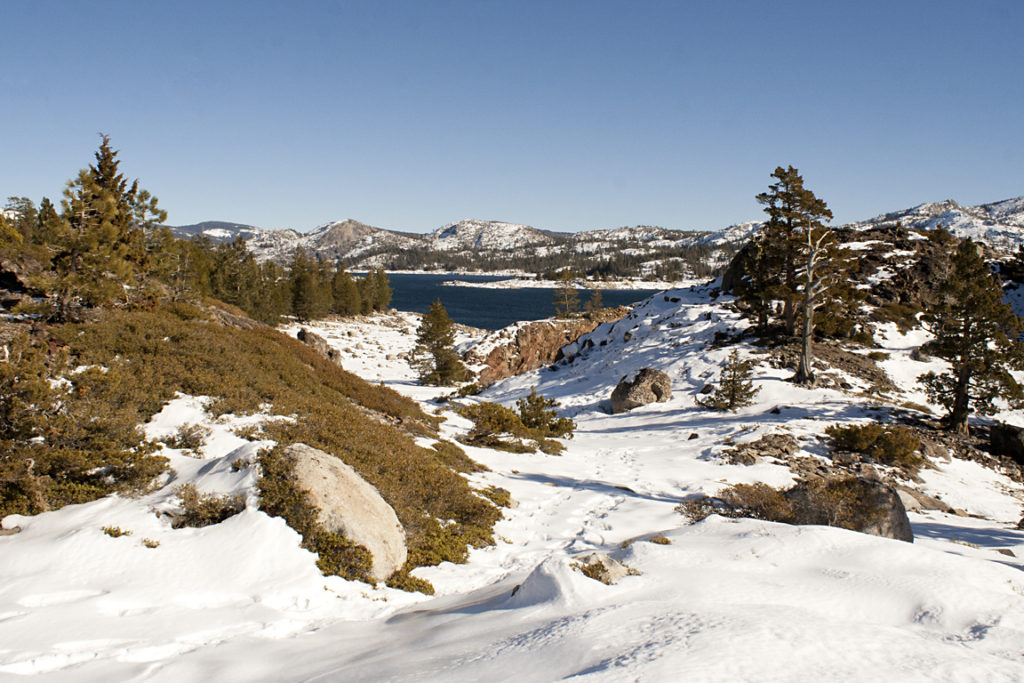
855	503
349	505
648	386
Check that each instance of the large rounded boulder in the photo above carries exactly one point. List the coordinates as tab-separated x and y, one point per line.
647	386
351	506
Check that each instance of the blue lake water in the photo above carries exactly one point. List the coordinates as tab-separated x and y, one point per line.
490	309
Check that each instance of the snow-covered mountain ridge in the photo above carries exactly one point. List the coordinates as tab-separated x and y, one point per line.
493	243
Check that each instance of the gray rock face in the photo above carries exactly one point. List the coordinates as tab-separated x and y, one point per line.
320	345
649	386
1008	440
349	505
855	503
914	500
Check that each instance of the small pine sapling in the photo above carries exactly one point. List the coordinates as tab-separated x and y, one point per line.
539	415
735	390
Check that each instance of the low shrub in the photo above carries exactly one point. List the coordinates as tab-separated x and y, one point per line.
660	540
150	543
759	501
538	415
904	315
204	509
878	356
116	531
454	457
886	444
501	428
189	438
846	502
499	496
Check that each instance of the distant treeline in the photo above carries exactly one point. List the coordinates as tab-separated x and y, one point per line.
630	258
105	246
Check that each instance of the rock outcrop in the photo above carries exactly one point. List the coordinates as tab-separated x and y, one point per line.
320	345
648	386
1007	440
527	347
768	446
349	505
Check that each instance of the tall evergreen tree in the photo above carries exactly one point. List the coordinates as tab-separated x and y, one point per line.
345	294
367	293
434	355
103	221
381	290
792	211
309	298
595	303
25	219
795	259
567	297
49	226
977	334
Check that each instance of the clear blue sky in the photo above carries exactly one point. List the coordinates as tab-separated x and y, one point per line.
561	115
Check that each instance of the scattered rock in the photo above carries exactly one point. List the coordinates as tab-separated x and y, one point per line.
692	436
349	505
603	568
915	501
319	344
768	446
648	386
1006	551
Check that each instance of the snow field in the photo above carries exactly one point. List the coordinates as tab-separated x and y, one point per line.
725	600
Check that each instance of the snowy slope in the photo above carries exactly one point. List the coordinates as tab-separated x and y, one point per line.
471	234
999	225
724	600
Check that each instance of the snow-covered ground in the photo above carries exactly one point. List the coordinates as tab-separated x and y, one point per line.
723	600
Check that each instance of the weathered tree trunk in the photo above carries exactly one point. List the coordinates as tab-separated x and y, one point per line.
805	371
958	413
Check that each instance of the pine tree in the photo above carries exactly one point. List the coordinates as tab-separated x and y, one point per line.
595	303
49	226
303	284
567	298
25	219
795	259
434	355
977	334
9	235
381	290
345	294
735	390
103	223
